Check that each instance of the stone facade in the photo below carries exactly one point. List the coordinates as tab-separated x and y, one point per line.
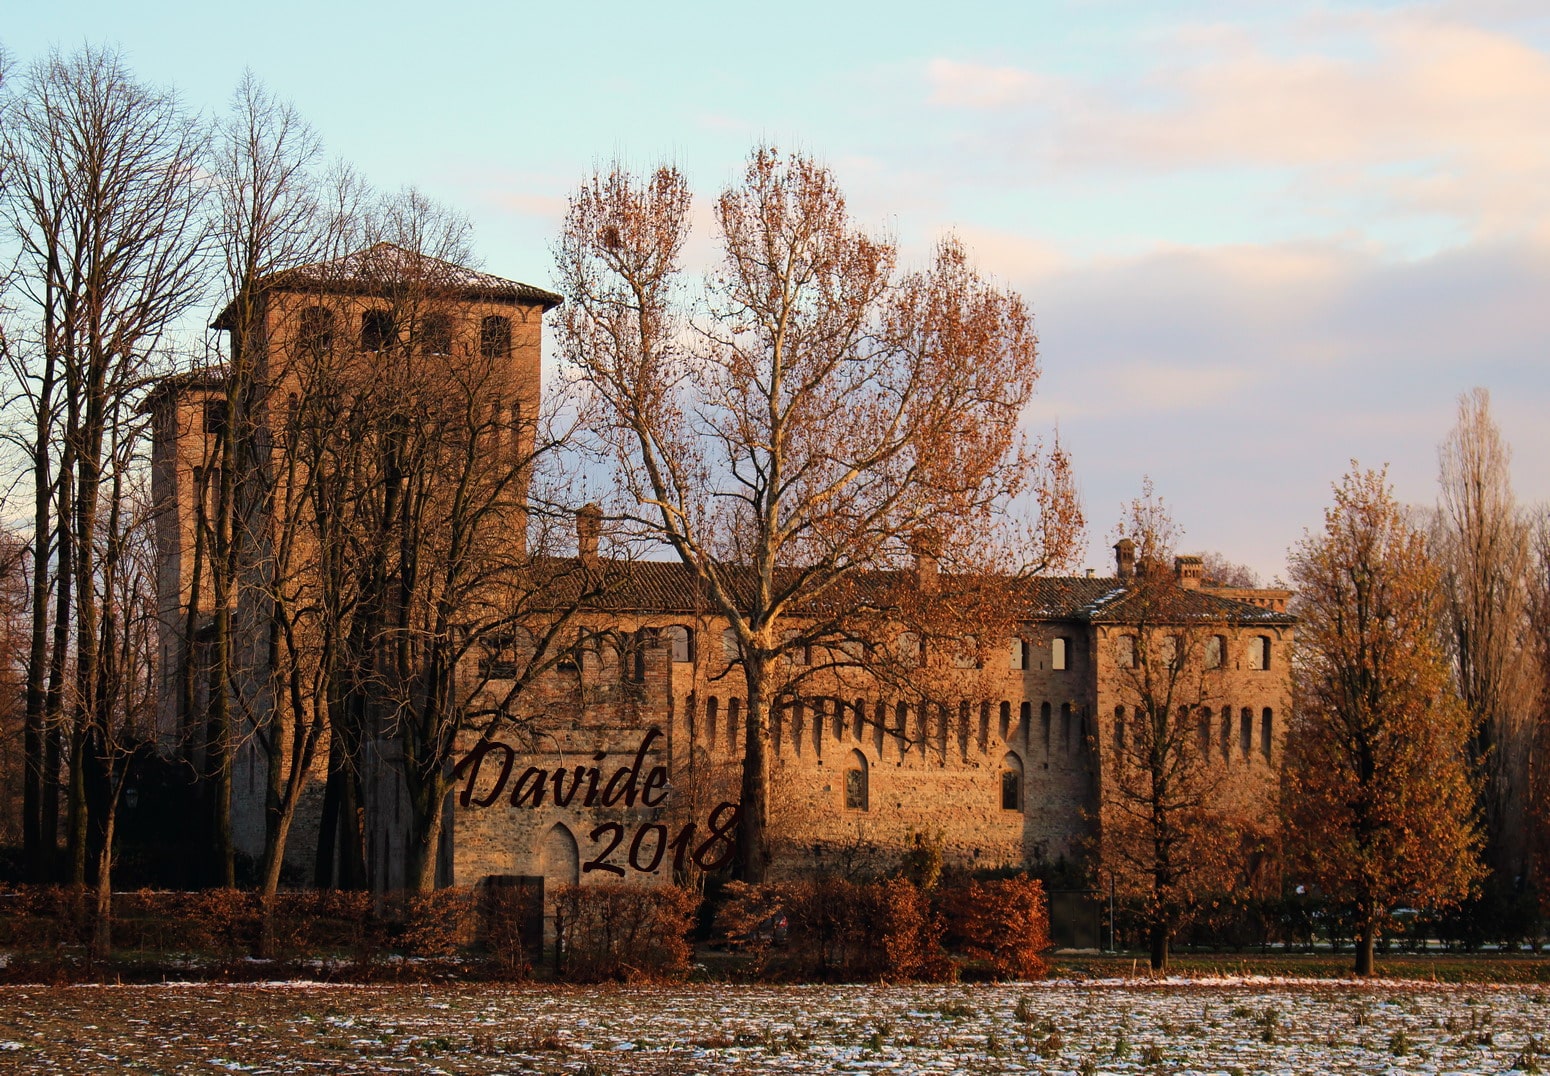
1008	771
1000	756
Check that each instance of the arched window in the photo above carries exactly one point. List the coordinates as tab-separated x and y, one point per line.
856	792
1226	733
1216	647
377	330
494	337
315	331
681	641
1044	720
1205	720
1059	653
1018	660
1119	733
907	650
635	654
1011	782
1259	652
1125	651
436	335
1246	731
731	649
712	712
1266	727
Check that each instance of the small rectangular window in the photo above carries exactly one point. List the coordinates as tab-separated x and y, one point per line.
855	789
215	417
1059	652
1011	791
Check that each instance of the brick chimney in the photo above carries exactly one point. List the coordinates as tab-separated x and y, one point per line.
1188	571
926	545
1125	559
589	524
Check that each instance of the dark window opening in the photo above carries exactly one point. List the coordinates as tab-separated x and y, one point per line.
215	418
856	782
378	332
494	337
316	331
1012	787
436	335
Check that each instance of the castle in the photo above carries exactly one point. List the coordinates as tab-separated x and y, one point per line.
1006	758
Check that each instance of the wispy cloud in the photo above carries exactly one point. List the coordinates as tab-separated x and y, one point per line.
955	84
1408	111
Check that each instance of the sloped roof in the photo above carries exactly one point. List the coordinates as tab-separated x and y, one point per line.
670	587
381	267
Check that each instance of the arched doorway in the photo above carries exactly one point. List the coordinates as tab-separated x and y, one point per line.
559	858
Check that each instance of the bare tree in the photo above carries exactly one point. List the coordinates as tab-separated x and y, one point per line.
102	195
1167	835
1218	571
1483	544
126	670
1379	799
810	412
269	216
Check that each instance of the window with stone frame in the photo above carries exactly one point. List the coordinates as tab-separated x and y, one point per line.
1011	783
856	791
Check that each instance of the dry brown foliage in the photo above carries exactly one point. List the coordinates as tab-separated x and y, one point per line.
801	419
1378	795
1004	923
625	933
838	931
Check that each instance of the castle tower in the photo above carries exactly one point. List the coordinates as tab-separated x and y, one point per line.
418	339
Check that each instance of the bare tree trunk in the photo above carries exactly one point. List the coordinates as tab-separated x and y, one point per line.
39	842
102	921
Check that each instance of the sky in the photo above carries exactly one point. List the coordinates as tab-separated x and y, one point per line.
1260	240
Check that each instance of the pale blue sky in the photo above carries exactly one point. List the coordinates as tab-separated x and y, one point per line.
1259	241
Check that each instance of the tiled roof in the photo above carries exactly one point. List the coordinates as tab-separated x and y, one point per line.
382	265
670	587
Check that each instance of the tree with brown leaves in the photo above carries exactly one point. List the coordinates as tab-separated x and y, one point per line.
1379	801
1166	835
797	422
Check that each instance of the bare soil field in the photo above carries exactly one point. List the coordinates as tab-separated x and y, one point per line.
1230	1025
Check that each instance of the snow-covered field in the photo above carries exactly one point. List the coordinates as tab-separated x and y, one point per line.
1202	1026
